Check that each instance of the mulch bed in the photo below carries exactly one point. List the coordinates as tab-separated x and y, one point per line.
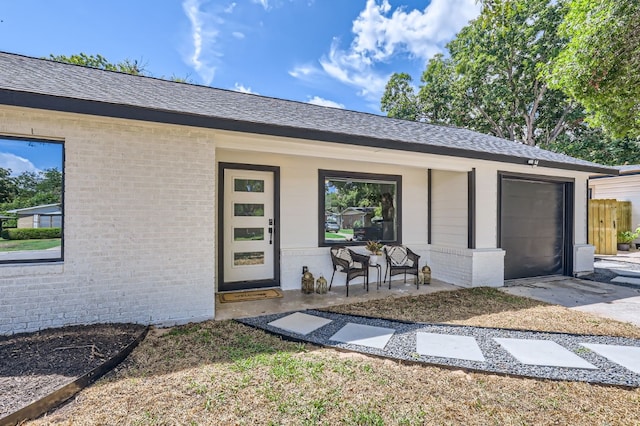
33	365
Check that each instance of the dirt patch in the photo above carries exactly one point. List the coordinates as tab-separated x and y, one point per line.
36	364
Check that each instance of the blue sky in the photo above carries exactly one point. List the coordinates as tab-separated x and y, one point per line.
23	156
331	52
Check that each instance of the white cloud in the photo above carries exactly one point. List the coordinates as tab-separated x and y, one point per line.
316	100
418	33
229	9
264	3
204	55
303	71
238	35
240	88
17	164
355	70
380	34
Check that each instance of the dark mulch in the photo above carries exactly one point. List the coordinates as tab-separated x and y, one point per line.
34	365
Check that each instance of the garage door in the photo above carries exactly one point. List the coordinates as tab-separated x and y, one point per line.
532	227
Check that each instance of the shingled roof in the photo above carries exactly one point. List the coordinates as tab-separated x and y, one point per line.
44	84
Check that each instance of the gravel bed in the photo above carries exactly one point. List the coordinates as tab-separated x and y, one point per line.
402	346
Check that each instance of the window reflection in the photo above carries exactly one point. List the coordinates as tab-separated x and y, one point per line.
245	209
248	258
31	212
248	185
360	207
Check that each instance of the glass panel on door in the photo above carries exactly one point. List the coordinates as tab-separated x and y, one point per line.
248	234
248	209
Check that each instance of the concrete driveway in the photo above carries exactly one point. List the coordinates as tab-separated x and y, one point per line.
617	302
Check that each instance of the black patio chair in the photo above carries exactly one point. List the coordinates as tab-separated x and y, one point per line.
400	260
351	263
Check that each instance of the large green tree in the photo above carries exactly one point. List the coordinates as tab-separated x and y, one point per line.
493	79
600	66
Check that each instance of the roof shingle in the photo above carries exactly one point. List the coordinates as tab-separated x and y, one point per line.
27	81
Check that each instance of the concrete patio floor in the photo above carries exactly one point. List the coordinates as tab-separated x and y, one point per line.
295	300
617	302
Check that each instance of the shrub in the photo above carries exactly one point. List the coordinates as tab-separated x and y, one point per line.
626	237
31	233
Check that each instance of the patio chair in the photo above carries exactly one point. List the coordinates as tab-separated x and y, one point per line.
351	263
400	260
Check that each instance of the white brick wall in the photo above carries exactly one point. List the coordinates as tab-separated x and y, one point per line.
468	267
139	226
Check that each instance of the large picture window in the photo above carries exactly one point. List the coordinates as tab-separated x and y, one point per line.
358	207
31	211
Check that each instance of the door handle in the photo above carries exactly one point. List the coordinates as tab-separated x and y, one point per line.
270	231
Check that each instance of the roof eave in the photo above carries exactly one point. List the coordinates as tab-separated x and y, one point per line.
103	109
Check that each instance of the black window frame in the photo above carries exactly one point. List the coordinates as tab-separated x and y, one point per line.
59	259
323	175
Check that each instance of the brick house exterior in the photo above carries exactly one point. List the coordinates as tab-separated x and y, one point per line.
143	161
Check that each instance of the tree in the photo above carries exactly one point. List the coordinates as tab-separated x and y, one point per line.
29	189
127	66
594	145
600	66
98	61
439	104
493	80
7	186
399	99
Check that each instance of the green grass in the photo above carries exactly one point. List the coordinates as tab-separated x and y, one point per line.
346	231
333	236
20	245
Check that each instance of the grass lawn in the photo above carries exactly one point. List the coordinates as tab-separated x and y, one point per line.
19	245
333	236
227	373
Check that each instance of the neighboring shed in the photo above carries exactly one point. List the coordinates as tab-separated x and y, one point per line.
42	216
356	216
174	192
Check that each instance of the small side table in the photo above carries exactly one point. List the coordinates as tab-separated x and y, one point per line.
379	271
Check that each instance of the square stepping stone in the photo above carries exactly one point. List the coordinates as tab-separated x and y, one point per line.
608	265
364	335
300	323
626	356
448	346
542	352
626	280
626	273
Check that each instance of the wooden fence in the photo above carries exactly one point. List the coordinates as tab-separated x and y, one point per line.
606	218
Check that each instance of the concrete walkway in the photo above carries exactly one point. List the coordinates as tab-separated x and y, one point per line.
558	356
618	302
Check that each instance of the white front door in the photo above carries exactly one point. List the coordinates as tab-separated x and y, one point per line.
248	229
